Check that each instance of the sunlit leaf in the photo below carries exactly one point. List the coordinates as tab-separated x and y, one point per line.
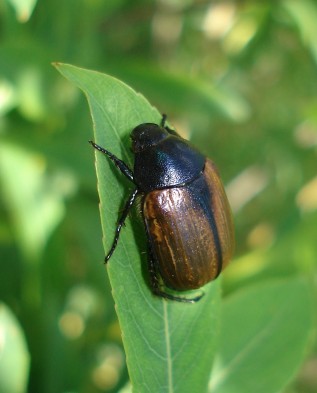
304	14
8	96
264	337
177	90
34	203
23	8
14	355
169	345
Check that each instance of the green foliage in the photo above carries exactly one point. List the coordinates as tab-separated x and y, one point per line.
14	354
239	80
265	323
23	8
162	339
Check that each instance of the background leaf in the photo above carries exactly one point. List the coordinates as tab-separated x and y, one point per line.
163	339
23	8
272	327
14	355
238	77
39	208
304	14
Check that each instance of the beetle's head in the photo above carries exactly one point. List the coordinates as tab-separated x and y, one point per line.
147	135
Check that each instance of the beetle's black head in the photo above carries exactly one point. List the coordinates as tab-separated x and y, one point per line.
147	135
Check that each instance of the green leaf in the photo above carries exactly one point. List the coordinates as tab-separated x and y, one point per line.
37	210
169	345
304	14
193	93
23	8
14	356
264	337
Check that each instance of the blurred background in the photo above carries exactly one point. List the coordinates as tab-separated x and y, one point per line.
237	77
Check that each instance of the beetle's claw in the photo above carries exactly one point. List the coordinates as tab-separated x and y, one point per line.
180	299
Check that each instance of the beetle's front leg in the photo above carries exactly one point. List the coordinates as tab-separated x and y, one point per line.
122	166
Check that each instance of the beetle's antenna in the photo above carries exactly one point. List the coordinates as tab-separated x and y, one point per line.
163	121
163	124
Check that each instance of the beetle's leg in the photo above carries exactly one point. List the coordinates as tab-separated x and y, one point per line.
124	214
156	287
123	168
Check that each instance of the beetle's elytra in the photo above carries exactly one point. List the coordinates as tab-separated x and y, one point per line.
185	210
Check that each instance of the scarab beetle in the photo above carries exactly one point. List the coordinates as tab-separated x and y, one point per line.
185	210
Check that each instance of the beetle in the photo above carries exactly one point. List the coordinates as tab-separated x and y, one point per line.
186	213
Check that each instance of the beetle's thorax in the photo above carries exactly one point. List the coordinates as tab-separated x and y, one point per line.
163	160
146	136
